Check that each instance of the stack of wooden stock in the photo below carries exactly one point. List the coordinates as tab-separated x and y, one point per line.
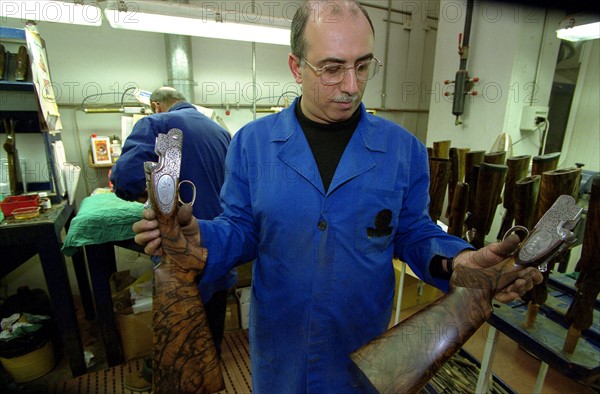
479	181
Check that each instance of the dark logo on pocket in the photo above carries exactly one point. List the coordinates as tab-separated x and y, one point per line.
382	224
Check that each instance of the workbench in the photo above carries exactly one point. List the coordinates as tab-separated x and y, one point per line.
545	340
103	222
20	240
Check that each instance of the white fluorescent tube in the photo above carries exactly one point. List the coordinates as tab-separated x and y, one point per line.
185	19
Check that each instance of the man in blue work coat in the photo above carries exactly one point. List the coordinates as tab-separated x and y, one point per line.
323	195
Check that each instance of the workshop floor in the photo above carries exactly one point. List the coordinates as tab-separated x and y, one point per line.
515	367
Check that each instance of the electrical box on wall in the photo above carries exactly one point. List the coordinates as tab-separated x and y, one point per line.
533	117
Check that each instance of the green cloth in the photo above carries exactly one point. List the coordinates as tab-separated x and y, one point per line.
102	218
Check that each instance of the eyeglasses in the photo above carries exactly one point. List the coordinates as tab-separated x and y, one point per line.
332	74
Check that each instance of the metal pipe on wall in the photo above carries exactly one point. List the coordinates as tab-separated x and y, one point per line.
386	55
180	74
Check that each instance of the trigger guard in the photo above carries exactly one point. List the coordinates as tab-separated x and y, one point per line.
191	203
514	229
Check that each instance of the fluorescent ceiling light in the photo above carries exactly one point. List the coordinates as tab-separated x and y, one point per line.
579	27
190	20
78	13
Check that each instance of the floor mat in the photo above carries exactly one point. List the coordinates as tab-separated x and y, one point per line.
235	364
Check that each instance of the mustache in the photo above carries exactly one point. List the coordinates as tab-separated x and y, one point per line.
345	98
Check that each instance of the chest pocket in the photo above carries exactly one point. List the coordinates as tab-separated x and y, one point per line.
376	220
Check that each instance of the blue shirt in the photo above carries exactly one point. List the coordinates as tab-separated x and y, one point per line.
323	278
202	162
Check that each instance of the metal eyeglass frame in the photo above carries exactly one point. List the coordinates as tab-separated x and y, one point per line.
344	70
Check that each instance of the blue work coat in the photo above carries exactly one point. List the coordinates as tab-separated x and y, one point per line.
202	162
323	278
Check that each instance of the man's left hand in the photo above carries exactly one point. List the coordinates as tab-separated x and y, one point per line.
495	254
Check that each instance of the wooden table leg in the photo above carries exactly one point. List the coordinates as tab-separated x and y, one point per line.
59	289
101	264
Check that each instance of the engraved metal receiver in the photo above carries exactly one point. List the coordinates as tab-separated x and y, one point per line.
551	236
162	178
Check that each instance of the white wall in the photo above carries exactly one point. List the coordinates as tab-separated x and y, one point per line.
506	42
582	139
100	63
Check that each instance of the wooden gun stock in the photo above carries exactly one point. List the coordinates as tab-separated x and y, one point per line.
526	195
553	184
10	146
581	311
456	221
489	185
441	149
184	356
457	173
472	161
404	358
517	169
439	170
498	157
2	61
22	64
543	163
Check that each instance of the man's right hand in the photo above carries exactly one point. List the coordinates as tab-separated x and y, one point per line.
147	232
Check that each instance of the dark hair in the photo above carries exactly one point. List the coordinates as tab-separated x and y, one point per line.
167	96
301	16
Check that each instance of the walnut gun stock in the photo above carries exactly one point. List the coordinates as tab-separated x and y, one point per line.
526	195
184	357
457	173
11	153
439	172
581	311
543	163
487	196
517	170
554	184
456	222
472	161
406	356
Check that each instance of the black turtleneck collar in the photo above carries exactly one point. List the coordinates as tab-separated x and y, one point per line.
327	141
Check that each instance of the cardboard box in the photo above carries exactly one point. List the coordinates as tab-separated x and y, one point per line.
244	272
232	313
415	291
135	330
136	334
244	296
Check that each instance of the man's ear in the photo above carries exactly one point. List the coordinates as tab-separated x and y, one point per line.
294	64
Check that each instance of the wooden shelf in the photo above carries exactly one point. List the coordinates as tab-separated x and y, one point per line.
91	163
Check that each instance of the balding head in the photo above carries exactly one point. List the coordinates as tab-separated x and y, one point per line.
321	10
164	98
